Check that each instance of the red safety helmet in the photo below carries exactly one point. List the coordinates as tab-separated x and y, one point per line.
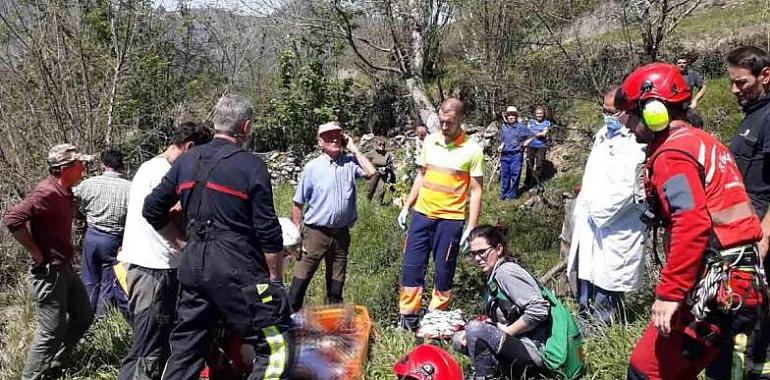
656	81
427	362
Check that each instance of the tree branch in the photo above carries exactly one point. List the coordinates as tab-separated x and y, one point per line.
349	36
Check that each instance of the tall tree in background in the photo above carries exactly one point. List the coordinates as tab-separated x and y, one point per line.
399	37
657	19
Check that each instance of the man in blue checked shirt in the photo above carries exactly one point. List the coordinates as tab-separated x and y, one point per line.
327	196
514	136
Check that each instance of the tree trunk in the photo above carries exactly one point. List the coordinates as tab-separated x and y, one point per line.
414	82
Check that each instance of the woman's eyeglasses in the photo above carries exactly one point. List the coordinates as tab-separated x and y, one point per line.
481	252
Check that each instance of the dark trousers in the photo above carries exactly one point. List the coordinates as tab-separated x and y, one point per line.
376	188
760	347
535	159
215	284
153	296
441	237
319	243
598	303
63	316
510	173
100	250
731	364
494	352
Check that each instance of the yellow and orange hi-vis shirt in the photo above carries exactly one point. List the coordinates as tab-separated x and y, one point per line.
448	172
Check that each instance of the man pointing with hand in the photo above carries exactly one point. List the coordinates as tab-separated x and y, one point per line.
451	171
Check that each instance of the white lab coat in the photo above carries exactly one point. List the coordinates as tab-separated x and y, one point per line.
608	240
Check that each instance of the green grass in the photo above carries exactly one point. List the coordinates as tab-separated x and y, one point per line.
720	110
372	281
707	25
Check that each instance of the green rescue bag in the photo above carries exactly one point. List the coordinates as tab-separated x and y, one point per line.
563	351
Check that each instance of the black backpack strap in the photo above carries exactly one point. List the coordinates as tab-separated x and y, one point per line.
199	204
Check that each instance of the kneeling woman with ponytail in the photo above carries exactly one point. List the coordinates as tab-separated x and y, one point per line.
511	335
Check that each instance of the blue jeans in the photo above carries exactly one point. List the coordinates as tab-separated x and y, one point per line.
599	303
510	173
99	255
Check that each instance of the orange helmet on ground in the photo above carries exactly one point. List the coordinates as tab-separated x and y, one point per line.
428	362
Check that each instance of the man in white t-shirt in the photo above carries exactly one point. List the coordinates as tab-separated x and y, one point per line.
151	258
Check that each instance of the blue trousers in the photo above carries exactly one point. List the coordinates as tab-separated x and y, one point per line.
599	303
426	236
100	250
510	173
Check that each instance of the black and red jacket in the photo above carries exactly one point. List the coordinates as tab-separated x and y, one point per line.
702	200
238	194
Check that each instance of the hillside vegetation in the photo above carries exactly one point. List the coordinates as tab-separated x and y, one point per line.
295	85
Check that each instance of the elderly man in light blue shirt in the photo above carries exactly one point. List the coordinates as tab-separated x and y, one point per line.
326	194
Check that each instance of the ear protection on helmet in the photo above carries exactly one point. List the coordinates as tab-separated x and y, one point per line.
655	115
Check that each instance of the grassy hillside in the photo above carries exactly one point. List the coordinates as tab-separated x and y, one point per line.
375	255
374	269
373	274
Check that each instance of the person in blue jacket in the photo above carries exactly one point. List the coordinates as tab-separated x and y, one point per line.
514	136
537	148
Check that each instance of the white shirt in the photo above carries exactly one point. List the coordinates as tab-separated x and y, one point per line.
608	238
142	245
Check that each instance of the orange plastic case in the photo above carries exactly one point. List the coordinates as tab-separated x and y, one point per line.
329	319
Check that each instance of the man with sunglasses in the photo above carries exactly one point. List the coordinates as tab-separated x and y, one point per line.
42	224
325	201
608	237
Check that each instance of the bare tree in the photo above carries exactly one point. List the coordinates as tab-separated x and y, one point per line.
400	37
657	19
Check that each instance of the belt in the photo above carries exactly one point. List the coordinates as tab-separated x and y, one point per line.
745	255
328	230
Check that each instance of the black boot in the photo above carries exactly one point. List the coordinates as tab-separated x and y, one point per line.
297	291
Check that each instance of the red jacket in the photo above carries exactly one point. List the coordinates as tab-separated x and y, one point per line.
699	191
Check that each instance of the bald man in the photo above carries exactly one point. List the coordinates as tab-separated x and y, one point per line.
608	236
451	171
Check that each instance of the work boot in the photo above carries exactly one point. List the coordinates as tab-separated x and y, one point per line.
409	322
297	291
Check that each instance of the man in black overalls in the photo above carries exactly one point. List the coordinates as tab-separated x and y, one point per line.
231	267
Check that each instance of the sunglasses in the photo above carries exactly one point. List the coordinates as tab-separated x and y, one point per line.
481	252
609	112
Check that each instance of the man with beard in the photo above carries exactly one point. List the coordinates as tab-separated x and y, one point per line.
749	72
451	171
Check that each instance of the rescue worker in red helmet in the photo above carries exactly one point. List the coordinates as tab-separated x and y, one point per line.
709	294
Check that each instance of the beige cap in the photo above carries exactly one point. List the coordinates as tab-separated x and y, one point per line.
511	109
330	126
63	154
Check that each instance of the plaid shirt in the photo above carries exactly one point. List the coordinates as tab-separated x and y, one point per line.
104	201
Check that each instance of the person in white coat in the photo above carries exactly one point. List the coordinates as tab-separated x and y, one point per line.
608	238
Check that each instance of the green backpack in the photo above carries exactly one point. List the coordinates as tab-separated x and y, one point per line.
563	352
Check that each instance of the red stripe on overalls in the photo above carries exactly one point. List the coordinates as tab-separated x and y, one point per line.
186	185
227	190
